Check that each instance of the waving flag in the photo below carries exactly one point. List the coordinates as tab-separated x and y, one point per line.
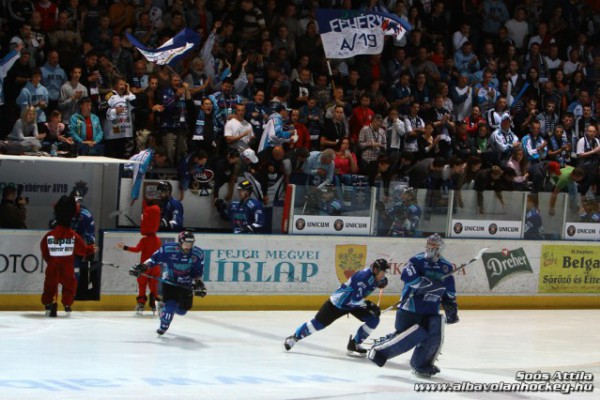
170	51
346	33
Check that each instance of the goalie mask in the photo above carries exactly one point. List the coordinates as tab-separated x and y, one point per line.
186	241
434	247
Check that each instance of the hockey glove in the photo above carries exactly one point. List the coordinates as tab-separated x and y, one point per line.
138	270
373	309
199	288
382	283
428	286
451	311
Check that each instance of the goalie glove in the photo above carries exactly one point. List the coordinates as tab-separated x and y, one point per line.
451	311
372	308
138	270
199	288
428	286
382	283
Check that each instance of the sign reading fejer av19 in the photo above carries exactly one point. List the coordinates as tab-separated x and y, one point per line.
471	228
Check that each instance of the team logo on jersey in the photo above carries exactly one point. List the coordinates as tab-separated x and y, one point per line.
507	263
349	259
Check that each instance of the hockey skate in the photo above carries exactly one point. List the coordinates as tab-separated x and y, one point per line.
155	304
289	342
68	310
51	310
160	331
426	371
139	309
355	349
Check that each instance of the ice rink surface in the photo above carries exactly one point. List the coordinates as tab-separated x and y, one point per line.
239	355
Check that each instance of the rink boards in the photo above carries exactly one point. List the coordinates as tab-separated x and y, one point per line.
256	272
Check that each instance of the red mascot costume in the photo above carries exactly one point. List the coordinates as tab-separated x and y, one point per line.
59	247
147	246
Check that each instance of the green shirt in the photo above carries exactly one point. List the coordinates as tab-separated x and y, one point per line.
564	179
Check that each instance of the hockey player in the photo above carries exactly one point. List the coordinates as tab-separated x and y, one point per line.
349	298
328	204
246	215
182	268
418	320
533	220
147	245
171	210
403	218
59	247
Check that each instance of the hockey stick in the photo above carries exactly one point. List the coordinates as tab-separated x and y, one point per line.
125	214
462	266
152	277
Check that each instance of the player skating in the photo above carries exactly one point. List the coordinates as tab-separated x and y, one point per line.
59	247
182	266
349	299
147	245
418	320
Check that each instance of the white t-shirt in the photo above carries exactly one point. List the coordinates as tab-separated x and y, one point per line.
235	128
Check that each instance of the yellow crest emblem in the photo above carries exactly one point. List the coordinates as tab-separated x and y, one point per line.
349	259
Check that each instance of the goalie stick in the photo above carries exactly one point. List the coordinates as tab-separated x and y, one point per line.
462	266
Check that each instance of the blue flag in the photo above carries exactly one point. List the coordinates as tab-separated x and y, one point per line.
172	50
346	33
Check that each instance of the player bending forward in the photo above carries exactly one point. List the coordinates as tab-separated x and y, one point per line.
349	299
182	265
418	320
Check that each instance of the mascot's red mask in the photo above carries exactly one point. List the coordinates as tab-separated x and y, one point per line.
150	220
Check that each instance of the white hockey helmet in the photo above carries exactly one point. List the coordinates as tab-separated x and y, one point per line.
434	247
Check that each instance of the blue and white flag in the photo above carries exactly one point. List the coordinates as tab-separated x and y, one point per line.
346	33
172	50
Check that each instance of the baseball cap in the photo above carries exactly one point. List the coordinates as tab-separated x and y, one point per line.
250	155
554	167
505	116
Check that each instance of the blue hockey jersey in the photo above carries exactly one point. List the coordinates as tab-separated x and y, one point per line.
351	295
427	303
177	266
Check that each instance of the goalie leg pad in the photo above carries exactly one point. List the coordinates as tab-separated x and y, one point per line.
401	342
427	351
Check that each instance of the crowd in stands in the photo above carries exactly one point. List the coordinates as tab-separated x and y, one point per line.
499	94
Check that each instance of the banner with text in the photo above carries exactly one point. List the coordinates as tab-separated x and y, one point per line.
472	228
338	225
582	231
570	269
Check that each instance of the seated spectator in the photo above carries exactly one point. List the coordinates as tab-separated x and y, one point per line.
520	165
55	133
345	160
25	131
85	129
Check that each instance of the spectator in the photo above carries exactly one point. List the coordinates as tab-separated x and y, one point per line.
345	160
53	77
85	129
533	144
301	131
567	179
118	135
34	94
319	167
25	132
238	132
503	141
66	38
13	214
70	93
174	125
